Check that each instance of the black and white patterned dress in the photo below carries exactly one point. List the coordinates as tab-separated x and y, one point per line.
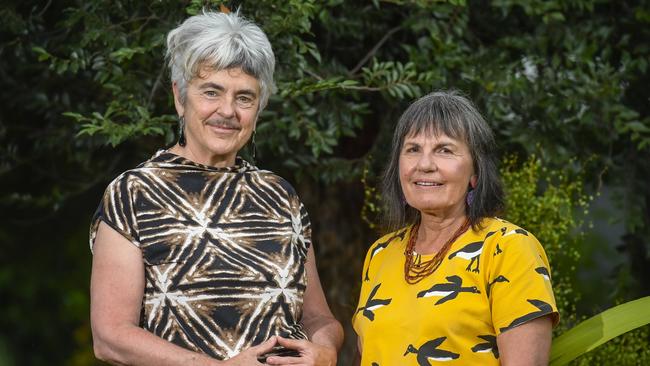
224	251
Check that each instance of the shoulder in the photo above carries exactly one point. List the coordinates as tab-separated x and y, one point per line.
127	178
511	239
270	178
396	236
504	230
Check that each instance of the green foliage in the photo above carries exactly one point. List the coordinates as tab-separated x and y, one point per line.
371	201
599	329
86	95
550	203
545	202
630	349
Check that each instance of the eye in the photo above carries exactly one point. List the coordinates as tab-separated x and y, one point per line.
445	150
412	149
210	93
245	100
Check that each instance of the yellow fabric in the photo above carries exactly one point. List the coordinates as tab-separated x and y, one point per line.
420	324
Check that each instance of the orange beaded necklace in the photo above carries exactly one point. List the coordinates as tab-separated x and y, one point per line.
414	273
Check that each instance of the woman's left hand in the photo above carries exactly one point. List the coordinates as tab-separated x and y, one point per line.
311	354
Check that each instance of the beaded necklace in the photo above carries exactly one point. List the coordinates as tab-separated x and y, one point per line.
414	273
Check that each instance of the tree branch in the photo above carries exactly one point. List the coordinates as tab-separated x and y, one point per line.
373	50
156	85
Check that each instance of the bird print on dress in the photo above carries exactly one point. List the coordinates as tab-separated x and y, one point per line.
429	351
497	251
381	246
471	252
499	278
544	308
448	291
373	304
543	272
490	345
505	232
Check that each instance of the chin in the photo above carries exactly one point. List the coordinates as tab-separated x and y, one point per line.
220	149
431	207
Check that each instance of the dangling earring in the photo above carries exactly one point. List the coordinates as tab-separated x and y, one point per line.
254	147
181	131
472	186
469	198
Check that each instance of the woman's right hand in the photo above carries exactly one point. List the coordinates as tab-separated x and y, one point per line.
249	356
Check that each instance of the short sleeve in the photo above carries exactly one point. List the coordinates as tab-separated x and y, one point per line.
116	209
525	292
363	292
373	258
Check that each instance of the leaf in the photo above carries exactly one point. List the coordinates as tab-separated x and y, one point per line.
599	329
125	53
43	55
637	126
78	117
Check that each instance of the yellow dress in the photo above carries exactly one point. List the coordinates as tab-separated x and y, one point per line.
489	281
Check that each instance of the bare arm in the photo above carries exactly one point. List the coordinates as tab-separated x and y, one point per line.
116	293
319	322
324	331
528	344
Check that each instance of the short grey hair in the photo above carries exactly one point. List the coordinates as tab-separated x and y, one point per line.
449	113
220	41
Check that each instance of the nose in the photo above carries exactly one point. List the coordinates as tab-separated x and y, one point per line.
227	108
426	163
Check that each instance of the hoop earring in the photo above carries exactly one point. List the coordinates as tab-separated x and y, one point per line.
181	131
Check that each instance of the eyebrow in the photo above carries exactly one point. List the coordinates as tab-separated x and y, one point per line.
437	146
211	85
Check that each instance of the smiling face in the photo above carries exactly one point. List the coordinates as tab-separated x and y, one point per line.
220	111
435	173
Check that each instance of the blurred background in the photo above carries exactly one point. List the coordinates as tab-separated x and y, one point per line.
85	95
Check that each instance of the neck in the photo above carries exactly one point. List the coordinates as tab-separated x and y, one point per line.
216	161
435	231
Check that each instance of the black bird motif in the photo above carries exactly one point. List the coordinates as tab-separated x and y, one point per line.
544	309
375	364
490	344
489	234
429	351
471	252
544	272
505	232
499	278
381	246
497	251
372	304
448	291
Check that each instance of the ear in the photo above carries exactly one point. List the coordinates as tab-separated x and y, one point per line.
180	108
473	180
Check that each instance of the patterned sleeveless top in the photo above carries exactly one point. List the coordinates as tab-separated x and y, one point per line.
224	251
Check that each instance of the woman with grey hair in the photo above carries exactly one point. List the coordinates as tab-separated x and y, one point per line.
199	257
451	281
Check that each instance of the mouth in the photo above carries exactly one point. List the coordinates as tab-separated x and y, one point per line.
223	126
427	184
